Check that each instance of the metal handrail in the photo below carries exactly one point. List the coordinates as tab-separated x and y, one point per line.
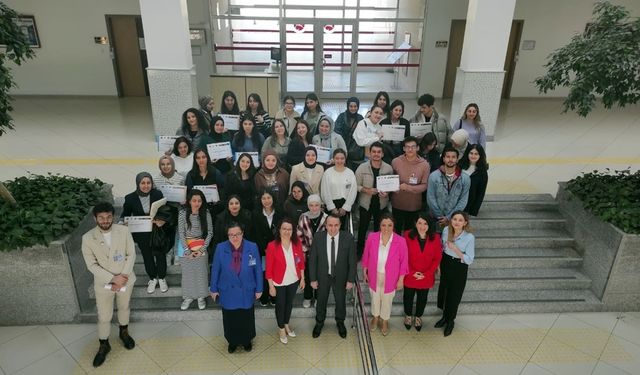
361	325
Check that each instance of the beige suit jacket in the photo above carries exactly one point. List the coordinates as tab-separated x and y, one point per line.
104	262
299	173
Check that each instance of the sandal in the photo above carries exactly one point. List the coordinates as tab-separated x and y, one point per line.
374	324
407	322
418	323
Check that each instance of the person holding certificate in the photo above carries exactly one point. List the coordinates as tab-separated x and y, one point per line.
194	126
327	138
278	142
229	104
414	175
367	132
139	203
218	134
396	112
339	188
248	138
427	112
195	231
204	173
308	172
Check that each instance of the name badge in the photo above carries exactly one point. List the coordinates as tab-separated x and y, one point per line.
413	180
252	260
118	258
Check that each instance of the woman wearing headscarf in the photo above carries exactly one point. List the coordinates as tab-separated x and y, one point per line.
138	203
310	223
206	107
236	281
347	120
296	204
218	134
273	178
168	174
308	172
326	137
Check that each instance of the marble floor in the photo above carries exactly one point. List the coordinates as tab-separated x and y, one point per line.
525	344
112	139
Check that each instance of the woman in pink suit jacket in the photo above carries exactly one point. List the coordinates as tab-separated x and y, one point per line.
385	263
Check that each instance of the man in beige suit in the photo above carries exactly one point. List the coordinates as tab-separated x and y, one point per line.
109	253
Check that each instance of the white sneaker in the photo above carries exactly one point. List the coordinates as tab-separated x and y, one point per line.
163	285
306	303
201	303
151	286
186	303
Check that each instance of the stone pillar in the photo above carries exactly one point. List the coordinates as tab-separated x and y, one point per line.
171	73
480	76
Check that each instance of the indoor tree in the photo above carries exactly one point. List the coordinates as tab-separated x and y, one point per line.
602	62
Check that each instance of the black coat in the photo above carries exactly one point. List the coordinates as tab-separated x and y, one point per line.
478	188
263	233
133	207
225	218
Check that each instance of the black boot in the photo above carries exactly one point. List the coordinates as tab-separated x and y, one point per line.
101	355
448	328
127	341
440	323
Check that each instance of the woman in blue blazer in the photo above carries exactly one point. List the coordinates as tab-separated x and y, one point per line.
236	278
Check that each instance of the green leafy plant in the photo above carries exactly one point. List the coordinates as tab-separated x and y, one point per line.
613	197
16	50
49	207
603	61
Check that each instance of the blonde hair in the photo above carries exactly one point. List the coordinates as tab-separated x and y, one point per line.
466	228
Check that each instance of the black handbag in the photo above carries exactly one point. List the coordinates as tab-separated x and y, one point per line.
160	240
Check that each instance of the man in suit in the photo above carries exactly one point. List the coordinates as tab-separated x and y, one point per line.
110	254
332	265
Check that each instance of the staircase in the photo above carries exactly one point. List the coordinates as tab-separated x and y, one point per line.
525	263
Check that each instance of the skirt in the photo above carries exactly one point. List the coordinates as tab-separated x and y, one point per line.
239	325
195	277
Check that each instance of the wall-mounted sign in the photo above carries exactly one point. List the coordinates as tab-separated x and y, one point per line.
198	37
442	43
528	45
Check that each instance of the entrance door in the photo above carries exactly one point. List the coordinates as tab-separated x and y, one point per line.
319	56
129	59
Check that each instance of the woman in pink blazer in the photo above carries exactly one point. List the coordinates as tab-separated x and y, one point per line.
384	264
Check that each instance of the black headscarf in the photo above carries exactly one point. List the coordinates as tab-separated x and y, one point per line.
139	178
304	160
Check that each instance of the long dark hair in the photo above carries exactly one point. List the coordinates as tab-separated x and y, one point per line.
223	108
242	136
428	139
294	133
314	97
274	136
195	169
386	108
202	212
252	168
263	191
305	193
202	122
294	235
481	165
431	227
260	110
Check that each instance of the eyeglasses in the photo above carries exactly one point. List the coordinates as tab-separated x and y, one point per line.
235	235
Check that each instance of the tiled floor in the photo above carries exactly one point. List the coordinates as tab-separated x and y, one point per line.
526	344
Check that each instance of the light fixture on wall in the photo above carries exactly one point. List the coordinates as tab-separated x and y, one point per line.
329	29
299	27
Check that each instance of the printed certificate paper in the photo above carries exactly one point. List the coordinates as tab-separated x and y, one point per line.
419	129
138	224
231	122
174	193
165	142
220	150
388	183
210	192
393	133
324	154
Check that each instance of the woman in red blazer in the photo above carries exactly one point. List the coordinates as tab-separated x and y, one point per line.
284	273
425	253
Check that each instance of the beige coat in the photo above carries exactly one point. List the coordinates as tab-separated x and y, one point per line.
365	179
104	262
299	173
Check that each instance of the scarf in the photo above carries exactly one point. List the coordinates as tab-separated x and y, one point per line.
173	167
310	148
313	198
236	258
139	178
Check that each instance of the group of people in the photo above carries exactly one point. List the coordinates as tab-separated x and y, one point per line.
298	211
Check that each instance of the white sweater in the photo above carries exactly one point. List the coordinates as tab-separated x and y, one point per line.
366	133
338	185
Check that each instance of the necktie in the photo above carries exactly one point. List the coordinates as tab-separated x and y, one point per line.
333	255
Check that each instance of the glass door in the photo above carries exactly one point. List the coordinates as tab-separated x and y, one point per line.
299	61
337	57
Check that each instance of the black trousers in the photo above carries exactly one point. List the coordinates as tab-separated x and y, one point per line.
155	262
453	279
265	297
284	302
340	296
421	301
404	220
363	225
309	292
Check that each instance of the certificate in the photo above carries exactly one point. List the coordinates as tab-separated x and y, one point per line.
324	154
231	122
393	133
254	156
138	224
388	183
419	129
174	193
220	150
210	192
165	142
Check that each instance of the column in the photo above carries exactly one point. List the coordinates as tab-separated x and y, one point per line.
171	73
480	76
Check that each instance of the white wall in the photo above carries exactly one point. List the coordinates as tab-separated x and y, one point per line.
69	62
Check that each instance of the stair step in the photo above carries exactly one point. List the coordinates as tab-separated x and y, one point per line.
173	279
524	242
519	198
541	205
519	223
481	232
526	258
488	213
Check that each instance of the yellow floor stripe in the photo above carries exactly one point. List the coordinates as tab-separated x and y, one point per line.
138	161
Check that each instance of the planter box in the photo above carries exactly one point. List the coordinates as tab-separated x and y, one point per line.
46	284
611	257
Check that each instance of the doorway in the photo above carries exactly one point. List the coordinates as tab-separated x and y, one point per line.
319	56
128	54
456	41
